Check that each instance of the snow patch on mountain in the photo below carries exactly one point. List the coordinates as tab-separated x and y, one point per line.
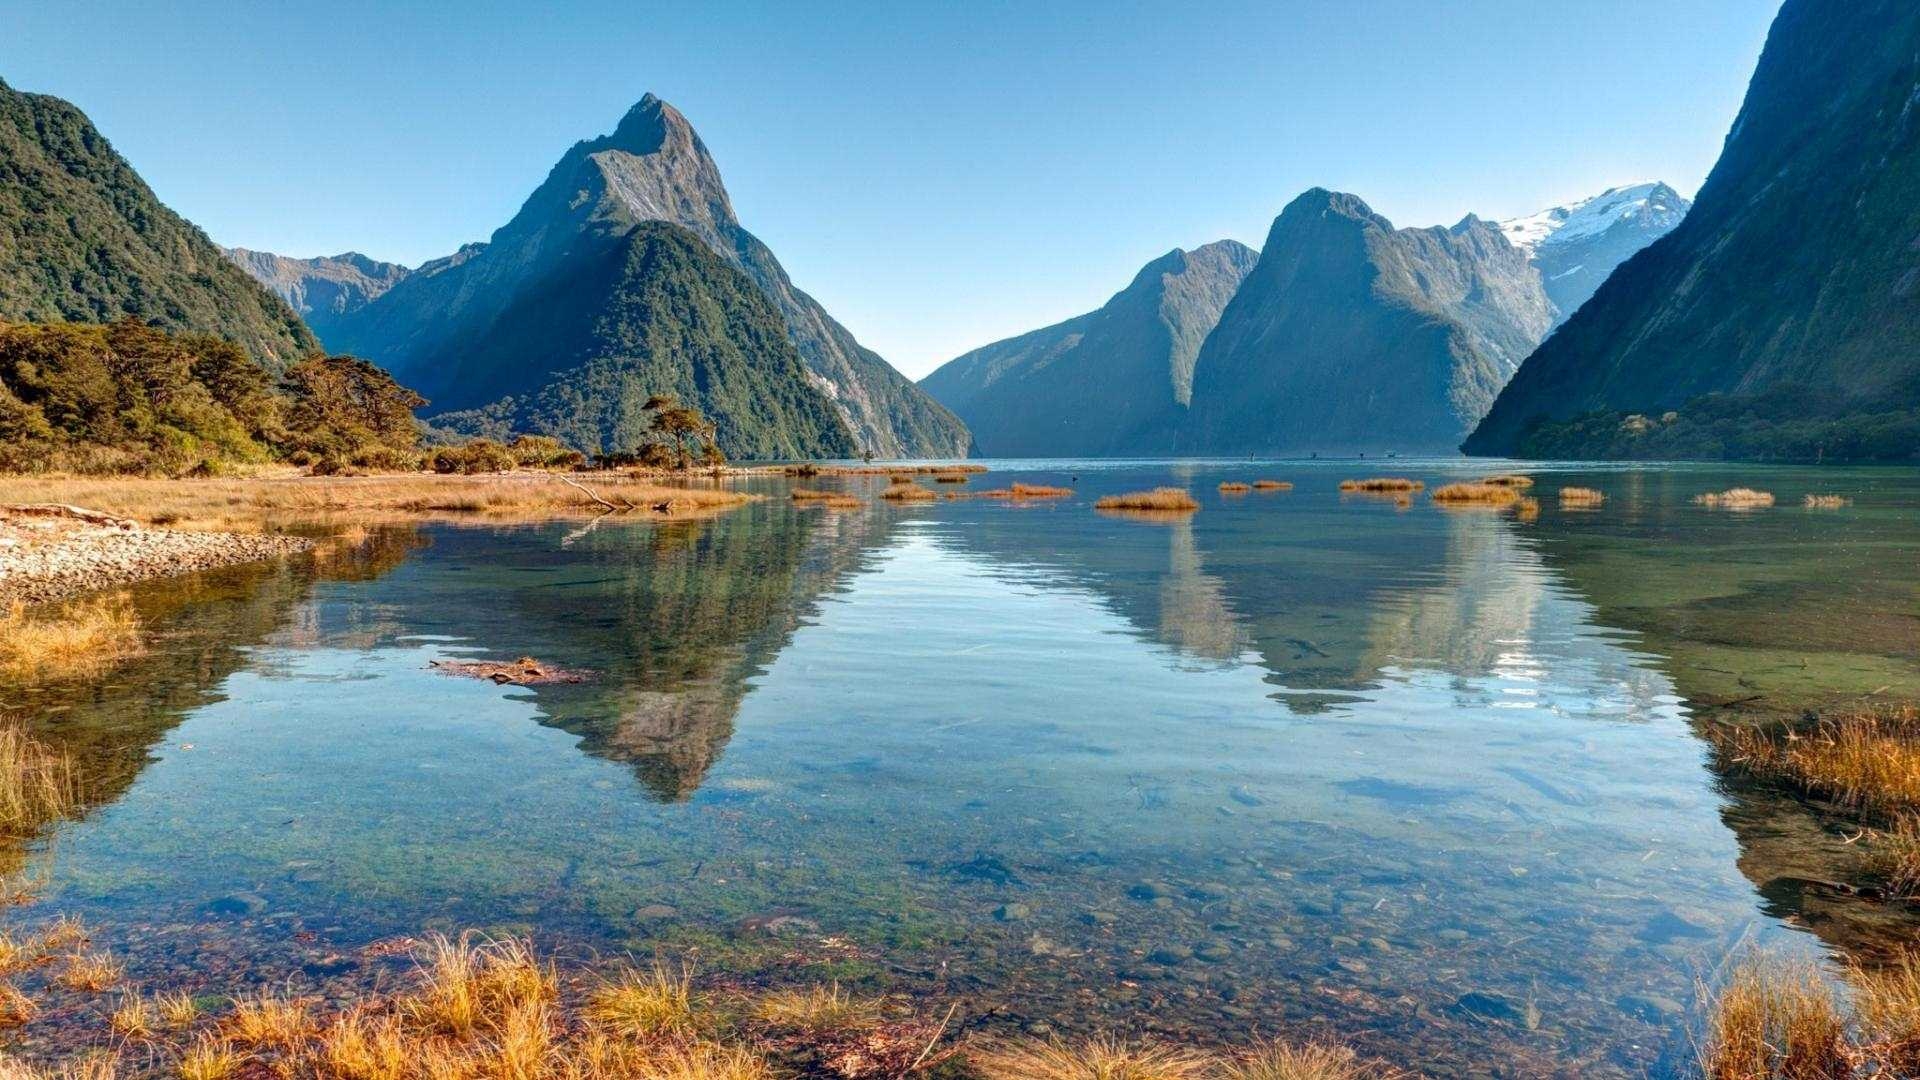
1648	205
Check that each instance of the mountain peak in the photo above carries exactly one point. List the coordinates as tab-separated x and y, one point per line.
1648	205
646	127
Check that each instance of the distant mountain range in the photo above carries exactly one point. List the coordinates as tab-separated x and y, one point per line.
83	239
325	291
1113	381
1790	295
1344	334
475	332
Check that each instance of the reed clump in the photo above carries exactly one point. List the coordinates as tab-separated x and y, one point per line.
1387	484
1735	499
1509	480
1234	487
908	491
78	640
1475	494
1581	498
1099	1058
836	500
1825	502
1019	491
1527	509
951	478
1775	1020
639	1004
38	783
1273	485
1164	499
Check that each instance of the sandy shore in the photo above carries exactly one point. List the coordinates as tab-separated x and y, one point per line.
50	551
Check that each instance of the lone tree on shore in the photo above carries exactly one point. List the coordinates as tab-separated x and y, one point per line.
685	430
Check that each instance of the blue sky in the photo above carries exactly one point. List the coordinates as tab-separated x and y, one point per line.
939	176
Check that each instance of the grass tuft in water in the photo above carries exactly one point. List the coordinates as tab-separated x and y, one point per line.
1470	494
1825	502
1099	1058
1172	499
1234	487
1383	484
636	1004
79	640
1581	497
1273	485
1775	1020
1735	499
1312	1061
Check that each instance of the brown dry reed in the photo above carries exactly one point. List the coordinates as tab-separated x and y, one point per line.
1735	499
1165	499
1511	480
1273	485
1581	497
1234	487
907	491
79	640
1383	484
38	783
1775	1019
1475	494
1825	502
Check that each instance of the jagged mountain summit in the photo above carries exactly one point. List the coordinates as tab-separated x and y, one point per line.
1111	382
323	289
1351	334
1578	245
83	239
1793	278
443	330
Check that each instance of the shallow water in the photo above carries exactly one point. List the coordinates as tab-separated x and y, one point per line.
1303	763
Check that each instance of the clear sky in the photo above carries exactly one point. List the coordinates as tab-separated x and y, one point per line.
938	175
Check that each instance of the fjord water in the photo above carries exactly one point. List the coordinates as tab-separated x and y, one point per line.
1300	764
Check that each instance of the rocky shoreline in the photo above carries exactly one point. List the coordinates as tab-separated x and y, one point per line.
50	551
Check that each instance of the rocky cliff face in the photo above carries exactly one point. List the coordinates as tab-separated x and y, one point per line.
1799	264
1112	382
83	239
322	290
1351	334
1578	246
652	168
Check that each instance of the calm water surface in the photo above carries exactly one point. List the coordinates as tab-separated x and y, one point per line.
1300	764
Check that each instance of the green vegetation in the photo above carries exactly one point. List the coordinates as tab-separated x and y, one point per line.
84	240
1793	423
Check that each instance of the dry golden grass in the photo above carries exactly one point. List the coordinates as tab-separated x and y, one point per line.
268	1020
1471	494
643	1004
833	500
1021	492
1163	499
1234	487
1886	1002
907	491
815	1008
1383	483
1527	509
1098	1058
133	1018
1273	485
468	979
1735	499
1866	761
951	478
177	1009
704	1061
250	504
1511	480
1775	1020
38	783
65	932
894	470
1581	497
1312	1061
93	973
363	1045
1893	856
1825	502
16	1007
209	1058
78	640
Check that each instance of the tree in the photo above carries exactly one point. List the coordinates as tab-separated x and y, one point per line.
346	409
683	429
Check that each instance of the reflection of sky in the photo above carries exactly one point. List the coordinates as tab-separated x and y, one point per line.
1504	771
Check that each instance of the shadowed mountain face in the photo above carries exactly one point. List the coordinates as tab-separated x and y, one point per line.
652	169
1113	381
1351	334
83	239
322	290
1796	265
